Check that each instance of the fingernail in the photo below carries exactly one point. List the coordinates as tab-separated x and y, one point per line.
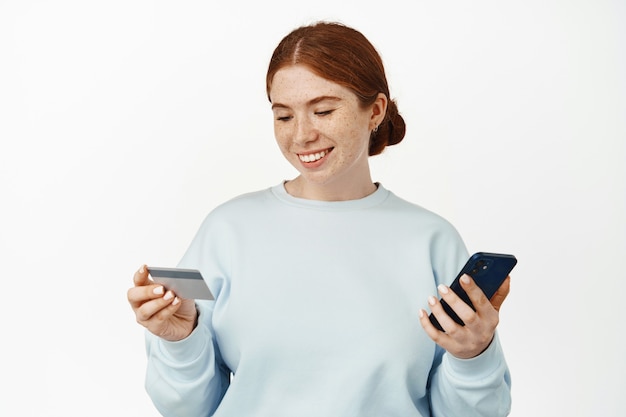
168	295
158	290
176	301
421	313
442	289
432	301
141	270
465	279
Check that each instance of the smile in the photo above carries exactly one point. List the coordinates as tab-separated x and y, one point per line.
312	157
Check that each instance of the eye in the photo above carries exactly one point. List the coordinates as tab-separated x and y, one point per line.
324	113
283	118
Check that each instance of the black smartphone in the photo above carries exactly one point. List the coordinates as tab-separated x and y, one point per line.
489	270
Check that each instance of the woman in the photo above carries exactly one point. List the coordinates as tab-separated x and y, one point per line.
318	280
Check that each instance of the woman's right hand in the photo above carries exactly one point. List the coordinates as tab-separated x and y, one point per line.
161	312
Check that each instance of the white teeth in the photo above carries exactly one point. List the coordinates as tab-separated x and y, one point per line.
313	157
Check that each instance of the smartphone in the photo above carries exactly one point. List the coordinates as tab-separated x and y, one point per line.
489	270
185	283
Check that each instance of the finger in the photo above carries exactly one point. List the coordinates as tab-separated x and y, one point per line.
457	304
432	332
475	294
145	292
500	295
161	308
437	308
444	339
141	277
139	295
486	318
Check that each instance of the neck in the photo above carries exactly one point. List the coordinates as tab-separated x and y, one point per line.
300	188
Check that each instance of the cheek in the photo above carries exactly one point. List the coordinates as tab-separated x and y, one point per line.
278	132
358	134
281	136
356	125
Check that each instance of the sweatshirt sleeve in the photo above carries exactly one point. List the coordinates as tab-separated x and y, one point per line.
189	377
185	378
476	387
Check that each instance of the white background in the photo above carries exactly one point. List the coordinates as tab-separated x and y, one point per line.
122	123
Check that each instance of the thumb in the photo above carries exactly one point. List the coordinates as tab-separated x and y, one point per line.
500	295
141	277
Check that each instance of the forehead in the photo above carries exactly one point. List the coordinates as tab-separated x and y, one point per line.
297	84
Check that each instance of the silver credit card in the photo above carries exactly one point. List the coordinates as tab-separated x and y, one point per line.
185	283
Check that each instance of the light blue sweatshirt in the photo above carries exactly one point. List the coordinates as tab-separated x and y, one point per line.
316	314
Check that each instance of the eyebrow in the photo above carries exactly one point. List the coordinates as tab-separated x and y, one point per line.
310	102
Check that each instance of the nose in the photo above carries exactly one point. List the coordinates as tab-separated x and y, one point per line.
305	131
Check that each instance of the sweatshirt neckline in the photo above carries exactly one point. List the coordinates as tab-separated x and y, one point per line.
371	200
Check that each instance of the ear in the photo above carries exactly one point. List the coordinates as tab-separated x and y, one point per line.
379	109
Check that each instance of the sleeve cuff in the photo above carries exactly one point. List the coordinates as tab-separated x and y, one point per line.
188	349
481	366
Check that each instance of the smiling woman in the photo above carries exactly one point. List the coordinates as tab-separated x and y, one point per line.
324	132
318	280
344	56
332	110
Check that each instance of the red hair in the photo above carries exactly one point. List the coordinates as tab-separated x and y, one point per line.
342	55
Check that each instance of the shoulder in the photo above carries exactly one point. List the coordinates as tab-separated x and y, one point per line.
422	234
415	215
445	244
224	222
244	202
234	210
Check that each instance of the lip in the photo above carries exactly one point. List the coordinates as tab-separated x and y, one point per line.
315	163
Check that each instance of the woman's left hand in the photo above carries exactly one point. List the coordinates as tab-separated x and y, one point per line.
472	339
